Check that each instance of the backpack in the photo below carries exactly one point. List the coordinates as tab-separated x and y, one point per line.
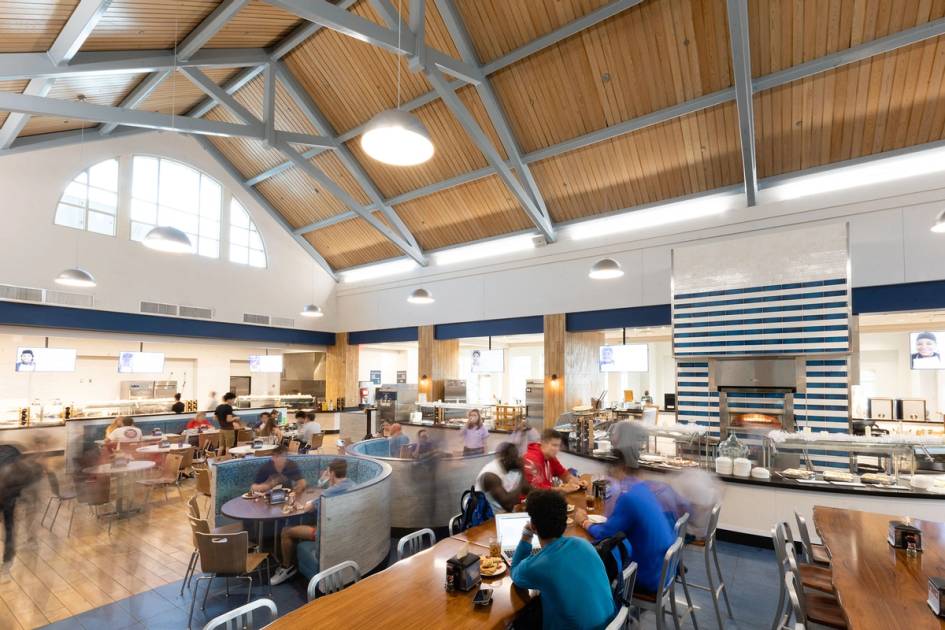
614	552
474	509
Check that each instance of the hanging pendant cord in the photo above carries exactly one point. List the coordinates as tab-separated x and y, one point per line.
400	21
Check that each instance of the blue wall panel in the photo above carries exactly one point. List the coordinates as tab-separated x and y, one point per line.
909	296
491	327
636	316
384	335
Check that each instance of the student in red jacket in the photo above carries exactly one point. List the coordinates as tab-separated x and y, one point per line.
542	465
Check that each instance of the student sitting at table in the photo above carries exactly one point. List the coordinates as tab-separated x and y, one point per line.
502	479
127	432
308	428
279	471
575	591
542	465
397	439
638	514
199	421
116	424
335	481
267	426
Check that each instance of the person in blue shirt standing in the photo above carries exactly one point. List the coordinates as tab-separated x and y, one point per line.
575	592
640	516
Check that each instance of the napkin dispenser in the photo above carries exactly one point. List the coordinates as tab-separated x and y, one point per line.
277	496
164	444
462	574
257	443
937	595
903	536
156	432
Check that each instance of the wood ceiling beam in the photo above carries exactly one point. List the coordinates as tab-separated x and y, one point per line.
741	66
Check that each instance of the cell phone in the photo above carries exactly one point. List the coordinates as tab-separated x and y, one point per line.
483	597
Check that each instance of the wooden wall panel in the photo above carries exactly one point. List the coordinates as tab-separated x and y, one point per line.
693	154
581	368
299	199
353	242
438	359
257	25
341	371
554	366
888	102
32	25
647	58
147	24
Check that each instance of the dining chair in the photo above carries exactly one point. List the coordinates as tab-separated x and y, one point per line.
666	593
244	435
94	492
294	446
791	589
334	579
315	443
175	439
815	554
60	497
227	556
170	476
415	543
242	618
679	531
620	621
817	607
208	441
710	554
629	583
812	576
455	523
202	526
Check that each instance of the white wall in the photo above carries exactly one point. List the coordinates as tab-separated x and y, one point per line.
389	361
33	250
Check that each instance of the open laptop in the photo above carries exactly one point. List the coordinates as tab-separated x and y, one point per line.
508	529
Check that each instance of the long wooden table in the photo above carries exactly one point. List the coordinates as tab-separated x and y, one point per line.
879	586
412	594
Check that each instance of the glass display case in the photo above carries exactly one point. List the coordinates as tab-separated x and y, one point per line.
678	446
292	402
23	413
127	407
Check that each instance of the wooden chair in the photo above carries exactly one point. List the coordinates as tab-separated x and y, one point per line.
187	461
193	510
415	543
94	492
816	554
170	476
315	444
201	526
242	617
60	497
294	446
227	556
334	579
208	441
811	576
814	607
244	435
175	439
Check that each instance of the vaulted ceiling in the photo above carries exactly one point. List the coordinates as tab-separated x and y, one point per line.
541	112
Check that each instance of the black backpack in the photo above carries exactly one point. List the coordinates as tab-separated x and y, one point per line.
614	552
474	509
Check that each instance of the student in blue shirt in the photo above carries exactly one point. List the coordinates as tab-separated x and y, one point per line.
640	516
575	592
397	439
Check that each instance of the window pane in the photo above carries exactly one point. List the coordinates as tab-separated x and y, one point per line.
139	230
103	201
238	215
179	186
143	212
76	194
105	175
257	258
239	236
210	229
238	254
209	247
82	178
210	193
70	216
101	223
145	179
176	218
254	241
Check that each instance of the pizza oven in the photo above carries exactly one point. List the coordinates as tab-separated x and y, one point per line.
756	395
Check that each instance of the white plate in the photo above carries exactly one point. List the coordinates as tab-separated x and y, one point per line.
570	508
596	518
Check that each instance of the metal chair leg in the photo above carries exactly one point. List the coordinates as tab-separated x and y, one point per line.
210	584
249	590
722	587
191	567
193	600
672	605
71	516
42	521
685	586
55	514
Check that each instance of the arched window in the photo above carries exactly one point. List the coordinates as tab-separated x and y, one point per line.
90	201
165	192
246	246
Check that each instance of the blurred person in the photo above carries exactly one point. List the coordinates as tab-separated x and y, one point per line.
335	481
524	435
638	514
213	402
312	426
199	421
17	473
424	445
397	439
575	591
384	431
267	426
628	437
503	479
279	471
300	417
542	465
117	423
701	491
178	406
127	432
474	434
228	420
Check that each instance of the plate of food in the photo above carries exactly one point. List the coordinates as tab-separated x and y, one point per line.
248	495
491	566
597	518
797	473
570	521
841	476
649	458
879	479
570	508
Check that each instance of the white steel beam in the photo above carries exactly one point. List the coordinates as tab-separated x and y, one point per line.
209	27
269	104
57	139
138	95
418	9
741	67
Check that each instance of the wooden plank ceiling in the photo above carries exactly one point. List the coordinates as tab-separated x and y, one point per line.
644	59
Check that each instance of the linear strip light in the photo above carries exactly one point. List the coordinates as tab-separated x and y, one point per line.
380	270
486	249
651	217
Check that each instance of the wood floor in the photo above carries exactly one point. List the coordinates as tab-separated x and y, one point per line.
54	577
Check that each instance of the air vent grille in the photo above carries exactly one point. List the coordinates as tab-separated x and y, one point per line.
196	312
69	299
156	308
250	318
23	294
285	322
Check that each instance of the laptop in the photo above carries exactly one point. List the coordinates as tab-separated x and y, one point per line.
508	529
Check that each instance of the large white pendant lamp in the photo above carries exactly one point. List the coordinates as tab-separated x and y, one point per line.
76	277
312	310
939	226
165	238
605	269
421	296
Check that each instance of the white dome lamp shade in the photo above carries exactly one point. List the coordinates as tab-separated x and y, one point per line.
939	226
165	238
421	296
312	310
605	269
76	277
398	138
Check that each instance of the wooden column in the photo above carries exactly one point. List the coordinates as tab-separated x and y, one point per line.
554	368
581	367
438	360
341	371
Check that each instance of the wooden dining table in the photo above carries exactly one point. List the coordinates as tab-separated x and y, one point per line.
879	586
411	594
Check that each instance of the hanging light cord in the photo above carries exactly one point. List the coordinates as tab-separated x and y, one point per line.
400	21
174	70
88	180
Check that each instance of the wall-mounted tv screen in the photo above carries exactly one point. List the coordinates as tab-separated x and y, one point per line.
925	351
45	359
633	357
141	363
265	363
485	361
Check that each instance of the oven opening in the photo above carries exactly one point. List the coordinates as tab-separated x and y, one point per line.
755	420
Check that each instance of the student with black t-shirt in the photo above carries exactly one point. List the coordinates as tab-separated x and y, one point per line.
178	406
229	423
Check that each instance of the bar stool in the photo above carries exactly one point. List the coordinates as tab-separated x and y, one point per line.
679	531
710	554
666	593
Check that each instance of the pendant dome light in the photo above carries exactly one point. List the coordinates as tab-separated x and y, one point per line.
76	277
939	226
165	238
394	136
605	269
312	310
421	296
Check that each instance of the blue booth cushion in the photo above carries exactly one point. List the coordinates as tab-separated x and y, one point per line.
307	554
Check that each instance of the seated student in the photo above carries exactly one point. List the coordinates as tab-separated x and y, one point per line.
335	481
542	465
199	421
424	446
638	514
575	591
116	424
309	429
397	439
279	471
502	479
267	426
127	432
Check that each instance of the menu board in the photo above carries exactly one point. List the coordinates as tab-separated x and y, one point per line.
141	363
487	361
632	357
924	350
376	377
265	363
45	359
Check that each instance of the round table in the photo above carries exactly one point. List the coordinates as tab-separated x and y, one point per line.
155	448
261	511
242	451
121	472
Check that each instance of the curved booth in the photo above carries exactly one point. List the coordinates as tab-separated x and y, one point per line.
351	526
424	492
